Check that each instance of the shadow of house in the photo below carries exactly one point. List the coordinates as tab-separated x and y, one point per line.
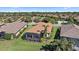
57	35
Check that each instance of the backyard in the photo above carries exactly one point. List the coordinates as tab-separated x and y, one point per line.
23	45
19	44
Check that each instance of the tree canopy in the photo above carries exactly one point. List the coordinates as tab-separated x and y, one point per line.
58	45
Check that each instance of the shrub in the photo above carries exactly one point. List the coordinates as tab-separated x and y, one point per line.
58	45
7	36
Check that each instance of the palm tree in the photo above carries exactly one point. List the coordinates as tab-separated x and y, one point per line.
58	45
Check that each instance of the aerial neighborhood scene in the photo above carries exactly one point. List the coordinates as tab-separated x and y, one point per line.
39	29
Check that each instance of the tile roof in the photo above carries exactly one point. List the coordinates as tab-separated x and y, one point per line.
39	27
70	30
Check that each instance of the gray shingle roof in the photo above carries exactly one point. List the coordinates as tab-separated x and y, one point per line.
12	27
70	30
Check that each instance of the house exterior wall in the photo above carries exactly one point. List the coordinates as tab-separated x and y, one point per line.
33	36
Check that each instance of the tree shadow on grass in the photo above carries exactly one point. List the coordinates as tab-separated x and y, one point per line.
23	36
57	35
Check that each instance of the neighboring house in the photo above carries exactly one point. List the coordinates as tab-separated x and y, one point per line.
64	16
76	18
13	29
71	32
37	32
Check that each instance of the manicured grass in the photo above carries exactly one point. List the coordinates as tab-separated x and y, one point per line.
53	33
22	45
19	45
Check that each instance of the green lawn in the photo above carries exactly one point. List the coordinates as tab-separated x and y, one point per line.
53	33
19	44
22	45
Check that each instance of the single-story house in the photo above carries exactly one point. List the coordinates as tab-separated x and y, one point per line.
13	29
64	16
71	32
37	32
